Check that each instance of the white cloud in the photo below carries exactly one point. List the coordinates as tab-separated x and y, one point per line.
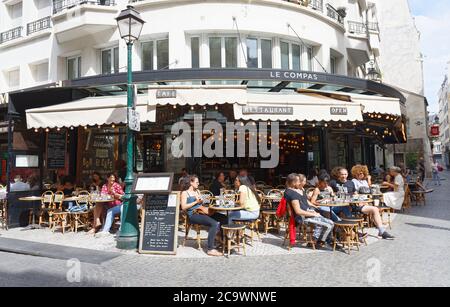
435	41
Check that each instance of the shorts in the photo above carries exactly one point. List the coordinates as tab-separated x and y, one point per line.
357	209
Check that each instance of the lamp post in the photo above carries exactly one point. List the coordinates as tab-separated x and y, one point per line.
130	25
372	73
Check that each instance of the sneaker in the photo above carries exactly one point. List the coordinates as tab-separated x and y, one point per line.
214	253
387	236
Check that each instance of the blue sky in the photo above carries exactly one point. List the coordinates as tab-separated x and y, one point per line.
433	21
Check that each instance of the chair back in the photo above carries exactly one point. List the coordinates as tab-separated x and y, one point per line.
206	196
230	195
407	200
281	187
47	199
58	200
83	199
275	193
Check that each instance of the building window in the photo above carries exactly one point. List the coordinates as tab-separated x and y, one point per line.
155	55
310	56
162	54
195	52
110	61
293	55
333	65
252	53
284	55
223	52
13	78
266	53
259	53
15	13
73	68
40	72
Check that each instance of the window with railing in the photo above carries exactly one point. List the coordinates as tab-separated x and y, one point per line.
357	27
60	5
11	35
334	14
38	25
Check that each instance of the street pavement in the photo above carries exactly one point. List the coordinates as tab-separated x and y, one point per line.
418	257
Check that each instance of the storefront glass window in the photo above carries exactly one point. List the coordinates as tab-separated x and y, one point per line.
337	150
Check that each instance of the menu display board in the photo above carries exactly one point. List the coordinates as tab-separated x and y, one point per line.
153	183
97	152
159	230
56	150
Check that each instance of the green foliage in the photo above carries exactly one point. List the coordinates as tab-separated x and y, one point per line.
411	160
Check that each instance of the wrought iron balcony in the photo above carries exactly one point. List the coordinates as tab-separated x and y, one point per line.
11	35
357	27
60	5
334	14
38	25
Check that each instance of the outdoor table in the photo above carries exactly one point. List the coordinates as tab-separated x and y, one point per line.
333	205
32	199
226	209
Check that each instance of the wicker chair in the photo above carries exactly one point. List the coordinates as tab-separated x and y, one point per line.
46	207
81	219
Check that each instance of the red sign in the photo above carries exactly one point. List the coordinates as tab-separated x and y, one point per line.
435	131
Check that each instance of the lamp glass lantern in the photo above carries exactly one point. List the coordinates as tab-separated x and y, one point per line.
130	24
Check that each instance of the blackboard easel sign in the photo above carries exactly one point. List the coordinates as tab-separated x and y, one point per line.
159	230
56	150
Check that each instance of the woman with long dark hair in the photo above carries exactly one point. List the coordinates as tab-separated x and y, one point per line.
192	203
248	198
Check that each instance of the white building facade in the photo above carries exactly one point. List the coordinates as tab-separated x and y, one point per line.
47	41
444	118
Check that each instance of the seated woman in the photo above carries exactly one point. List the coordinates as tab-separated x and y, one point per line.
304	211
325	191
248	198
361	178
96	183
114	190
218	184
342	183
191	202
395	198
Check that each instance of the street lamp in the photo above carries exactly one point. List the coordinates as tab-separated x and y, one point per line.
372	73
130	25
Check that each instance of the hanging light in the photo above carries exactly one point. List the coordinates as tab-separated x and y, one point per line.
47	130
36	130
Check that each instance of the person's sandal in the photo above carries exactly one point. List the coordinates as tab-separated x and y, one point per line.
214	253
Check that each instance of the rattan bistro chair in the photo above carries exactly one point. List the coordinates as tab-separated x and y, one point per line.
46	207
58	200
81	219
4	214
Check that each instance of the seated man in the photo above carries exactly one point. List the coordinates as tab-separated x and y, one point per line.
325	191
343	184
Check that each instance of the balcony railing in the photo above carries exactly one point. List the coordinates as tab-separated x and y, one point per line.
38	25
11	35
357	27
373	26
60	5
334	14
314	4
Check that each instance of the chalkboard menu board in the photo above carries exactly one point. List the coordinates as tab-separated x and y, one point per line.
159	230
97	152
56	150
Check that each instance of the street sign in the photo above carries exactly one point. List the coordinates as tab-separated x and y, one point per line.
134	121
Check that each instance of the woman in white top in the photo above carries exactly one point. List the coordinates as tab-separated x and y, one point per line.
396	198
361	177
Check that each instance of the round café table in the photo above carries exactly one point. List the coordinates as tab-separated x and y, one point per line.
333	205
32	199
226	209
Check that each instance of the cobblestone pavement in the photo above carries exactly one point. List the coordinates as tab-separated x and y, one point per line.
418	257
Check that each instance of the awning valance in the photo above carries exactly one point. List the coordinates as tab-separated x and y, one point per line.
197	95
90	111
371	104
297	107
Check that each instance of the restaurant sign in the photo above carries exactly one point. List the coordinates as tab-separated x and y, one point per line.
267	110
338	111
163	94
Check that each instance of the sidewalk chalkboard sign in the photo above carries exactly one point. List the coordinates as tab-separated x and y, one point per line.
56	150
159	230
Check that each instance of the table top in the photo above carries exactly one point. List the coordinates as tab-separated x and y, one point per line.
31	198
101	200
272	197
217	208
368	201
